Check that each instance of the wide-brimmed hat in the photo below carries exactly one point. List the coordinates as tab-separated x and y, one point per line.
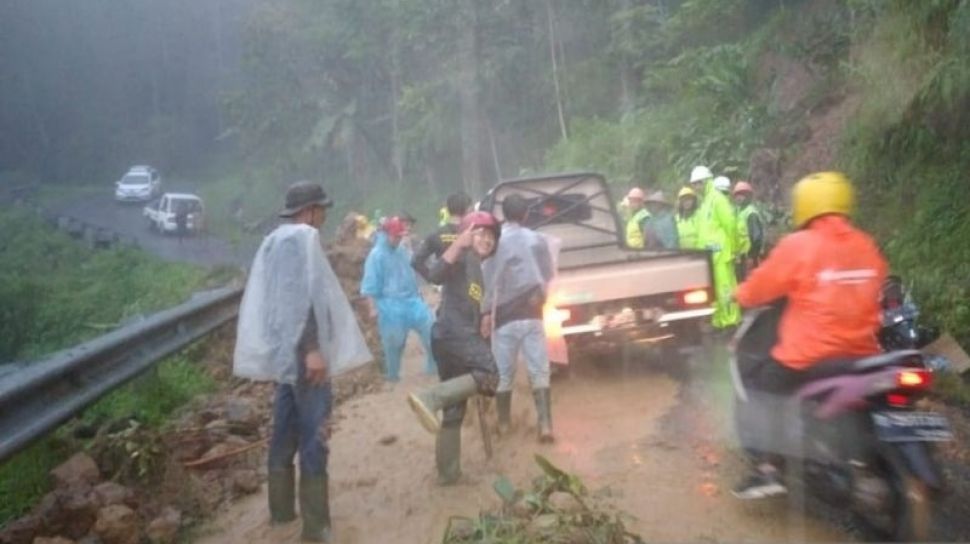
303	194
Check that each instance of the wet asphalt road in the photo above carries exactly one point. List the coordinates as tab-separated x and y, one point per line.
127	220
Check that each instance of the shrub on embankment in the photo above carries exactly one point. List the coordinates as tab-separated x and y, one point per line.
54	293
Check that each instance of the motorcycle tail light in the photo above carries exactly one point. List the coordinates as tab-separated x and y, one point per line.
914	378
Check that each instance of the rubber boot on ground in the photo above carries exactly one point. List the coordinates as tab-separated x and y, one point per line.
315	508
503	401
281	490
448	454
544	414
427	403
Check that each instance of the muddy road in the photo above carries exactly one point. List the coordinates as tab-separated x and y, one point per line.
654	444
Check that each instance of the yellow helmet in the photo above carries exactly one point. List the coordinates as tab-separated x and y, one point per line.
686	191
819	194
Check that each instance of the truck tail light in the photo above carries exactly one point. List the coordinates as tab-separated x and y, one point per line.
695	297
553	318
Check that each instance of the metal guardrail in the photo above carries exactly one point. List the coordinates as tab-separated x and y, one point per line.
43	395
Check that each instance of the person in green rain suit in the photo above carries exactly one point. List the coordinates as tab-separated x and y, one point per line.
751	230
686	218
717	232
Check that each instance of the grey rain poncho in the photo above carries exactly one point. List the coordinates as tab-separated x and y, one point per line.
290	276
525	259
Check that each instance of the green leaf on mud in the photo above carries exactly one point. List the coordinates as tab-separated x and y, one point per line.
563	480
505	490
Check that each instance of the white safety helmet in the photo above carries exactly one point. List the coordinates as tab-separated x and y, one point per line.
723	184
700	173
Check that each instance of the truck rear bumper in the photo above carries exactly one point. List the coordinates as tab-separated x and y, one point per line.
683	328
663	320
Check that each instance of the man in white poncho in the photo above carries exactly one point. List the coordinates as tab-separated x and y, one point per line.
297	328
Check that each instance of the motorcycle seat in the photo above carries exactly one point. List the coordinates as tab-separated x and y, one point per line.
882	360
838	367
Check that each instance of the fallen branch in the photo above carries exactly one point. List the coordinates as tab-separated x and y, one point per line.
207	460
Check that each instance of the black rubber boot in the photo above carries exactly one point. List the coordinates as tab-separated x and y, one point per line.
281	490
315	508
427	403
448	454
503	401
544	414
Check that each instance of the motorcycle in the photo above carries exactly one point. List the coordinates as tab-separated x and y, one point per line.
852	435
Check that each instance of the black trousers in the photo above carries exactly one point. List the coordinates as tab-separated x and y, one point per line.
459	356
769	419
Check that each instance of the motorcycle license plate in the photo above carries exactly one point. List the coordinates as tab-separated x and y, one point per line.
912	427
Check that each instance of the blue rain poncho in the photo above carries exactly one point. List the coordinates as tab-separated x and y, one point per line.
289	278
391	282
661	230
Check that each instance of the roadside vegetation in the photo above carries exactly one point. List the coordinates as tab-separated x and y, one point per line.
394	105
909	145
55	293
896	77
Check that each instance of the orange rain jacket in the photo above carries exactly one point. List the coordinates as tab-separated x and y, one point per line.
831	273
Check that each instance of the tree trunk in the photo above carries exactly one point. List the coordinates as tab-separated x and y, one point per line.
430	177
628	83
550	17
220	59
397	158
471	168
496	163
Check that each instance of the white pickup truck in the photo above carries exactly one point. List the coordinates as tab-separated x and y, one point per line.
606	295
162	215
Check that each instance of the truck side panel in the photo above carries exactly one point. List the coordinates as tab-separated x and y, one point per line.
622	280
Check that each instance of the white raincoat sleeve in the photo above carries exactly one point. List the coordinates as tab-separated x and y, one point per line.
290	275
341	340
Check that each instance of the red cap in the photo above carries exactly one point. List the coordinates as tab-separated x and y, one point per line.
477	220
395	226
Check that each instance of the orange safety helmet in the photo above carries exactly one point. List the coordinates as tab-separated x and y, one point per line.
742	187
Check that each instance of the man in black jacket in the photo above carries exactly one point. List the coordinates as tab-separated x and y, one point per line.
465	362
437	242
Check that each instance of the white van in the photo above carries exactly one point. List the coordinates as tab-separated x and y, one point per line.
162	215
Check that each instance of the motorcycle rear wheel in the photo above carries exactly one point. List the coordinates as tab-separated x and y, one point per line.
910	516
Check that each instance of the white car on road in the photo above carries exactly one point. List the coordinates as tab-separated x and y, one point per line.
163	214
140	184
